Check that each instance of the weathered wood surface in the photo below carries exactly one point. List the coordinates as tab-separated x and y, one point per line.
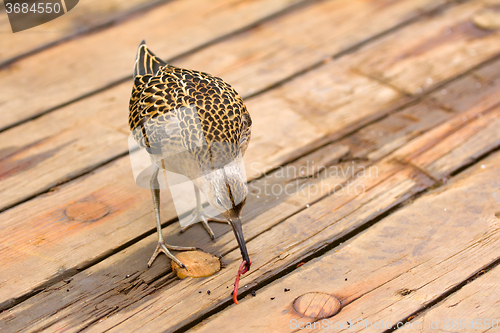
262	146
391	270
92	63
281	48
472	133
473	308
62	135
130	188
262	249
413	139
446	46
367	143
91	14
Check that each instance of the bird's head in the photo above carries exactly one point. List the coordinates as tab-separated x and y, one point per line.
226	191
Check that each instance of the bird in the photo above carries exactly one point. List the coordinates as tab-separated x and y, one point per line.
194	124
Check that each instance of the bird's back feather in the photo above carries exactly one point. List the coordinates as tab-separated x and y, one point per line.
174	109
146	62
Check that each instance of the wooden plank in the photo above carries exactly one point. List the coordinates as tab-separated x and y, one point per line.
152	314
89	15
74	118
448	44
262	211
477	90
480	137
40	154
393	189
454	144
90	63
392	269
283	47
29	170
17	177
116	182
473	308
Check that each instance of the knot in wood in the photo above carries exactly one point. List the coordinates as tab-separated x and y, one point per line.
316	305
87	211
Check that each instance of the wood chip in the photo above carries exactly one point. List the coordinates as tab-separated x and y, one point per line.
198	264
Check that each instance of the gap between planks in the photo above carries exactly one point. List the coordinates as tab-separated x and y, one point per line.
273	11
448	297
38	45
357	288
320	143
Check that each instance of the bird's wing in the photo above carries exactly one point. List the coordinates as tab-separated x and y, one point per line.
246	132
146	62
151	119
189	109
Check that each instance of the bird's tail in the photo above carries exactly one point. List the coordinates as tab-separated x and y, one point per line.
146	62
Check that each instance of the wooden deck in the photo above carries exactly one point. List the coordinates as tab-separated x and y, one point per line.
388	109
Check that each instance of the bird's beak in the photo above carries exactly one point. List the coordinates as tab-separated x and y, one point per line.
238	232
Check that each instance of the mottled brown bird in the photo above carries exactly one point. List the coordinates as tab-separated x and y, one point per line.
195	124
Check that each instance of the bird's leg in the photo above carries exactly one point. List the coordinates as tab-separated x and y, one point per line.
162	247
200	216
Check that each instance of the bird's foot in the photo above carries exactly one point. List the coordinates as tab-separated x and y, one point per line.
200	217
162	247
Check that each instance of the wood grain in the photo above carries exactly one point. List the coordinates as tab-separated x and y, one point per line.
454	144
480	137
392	269
280	48
471	308
87	64
133	215
302	105
111	238
315	305
418	57
263	210
89	14
40	154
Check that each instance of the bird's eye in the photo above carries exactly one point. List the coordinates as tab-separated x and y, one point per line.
218	201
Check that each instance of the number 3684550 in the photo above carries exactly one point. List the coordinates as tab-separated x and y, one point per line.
36	8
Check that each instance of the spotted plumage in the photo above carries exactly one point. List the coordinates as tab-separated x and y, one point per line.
195	124
177	110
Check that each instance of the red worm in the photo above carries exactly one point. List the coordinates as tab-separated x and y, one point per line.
242	270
